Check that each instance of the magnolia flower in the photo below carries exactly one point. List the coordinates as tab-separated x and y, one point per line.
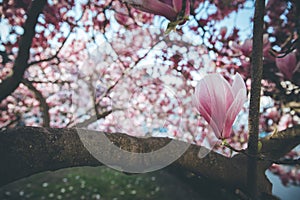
286	120
172	9
288	65
219	102
246	47
122	17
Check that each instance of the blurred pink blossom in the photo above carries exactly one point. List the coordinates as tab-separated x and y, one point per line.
288	65
123	18
246	47
286	121
272	113
219	102
171	9
223	31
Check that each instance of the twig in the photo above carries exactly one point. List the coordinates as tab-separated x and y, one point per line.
52	82
262	157
61	46
43	104
93	119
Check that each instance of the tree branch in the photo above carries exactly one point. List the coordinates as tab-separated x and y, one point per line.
93	119
11	83
280	143
288	162
43	104
56	53
256	76
28	150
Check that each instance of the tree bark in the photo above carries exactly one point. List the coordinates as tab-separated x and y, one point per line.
8	85
256	76
26	151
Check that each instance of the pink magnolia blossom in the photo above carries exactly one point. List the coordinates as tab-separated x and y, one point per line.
286	121
246	47
123	18
219	102
288	65
171	9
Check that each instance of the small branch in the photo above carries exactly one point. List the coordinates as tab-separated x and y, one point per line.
62	44
282	144
297	21
43	104
93	119
288	162
56	53
93	96
287	47
52	82
127	70
256	76
11	83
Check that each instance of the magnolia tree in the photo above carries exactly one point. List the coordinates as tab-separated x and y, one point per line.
138	85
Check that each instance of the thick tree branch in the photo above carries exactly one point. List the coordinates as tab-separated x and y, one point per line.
25	151
11	83
280	143
256	76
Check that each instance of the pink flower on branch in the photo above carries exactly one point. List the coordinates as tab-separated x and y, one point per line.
171	9
123	18
245	48
219	102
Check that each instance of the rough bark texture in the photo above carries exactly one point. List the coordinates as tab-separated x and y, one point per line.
256	77
25	151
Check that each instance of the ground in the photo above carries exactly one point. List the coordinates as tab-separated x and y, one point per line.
99	183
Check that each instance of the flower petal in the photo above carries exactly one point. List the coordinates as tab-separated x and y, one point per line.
221	97
155	7
177	4
238	84
202	101
187	8
287	64
232	112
